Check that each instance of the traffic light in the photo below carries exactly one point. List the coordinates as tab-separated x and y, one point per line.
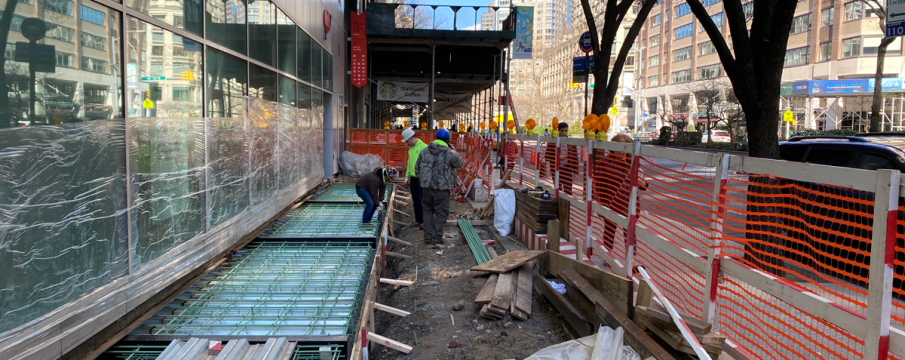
147	94
187	75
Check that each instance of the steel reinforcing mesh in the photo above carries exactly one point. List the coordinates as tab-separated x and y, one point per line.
272	288
324	220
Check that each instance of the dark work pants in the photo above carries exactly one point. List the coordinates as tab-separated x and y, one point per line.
436	210
417	197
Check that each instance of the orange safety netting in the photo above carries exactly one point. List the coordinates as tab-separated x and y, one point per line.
674	201
681	284
898	281
768	328
816	235
547	168
573	170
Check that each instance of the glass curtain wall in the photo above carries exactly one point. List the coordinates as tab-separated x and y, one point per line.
136	134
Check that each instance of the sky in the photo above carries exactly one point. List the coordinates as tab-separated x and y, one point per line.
466	16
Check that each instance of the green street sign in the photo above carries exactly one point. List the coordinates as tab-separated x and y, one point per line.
153	78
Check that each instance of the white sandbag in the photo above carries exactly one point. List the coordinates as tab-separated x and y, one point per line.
503	210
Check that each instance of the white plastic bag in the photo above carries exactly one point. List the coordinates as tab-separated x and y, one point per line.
583	348
356	165
503	210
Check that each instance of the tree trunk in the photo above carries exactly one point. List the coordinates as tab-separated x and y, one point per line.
763	127
709	138
877	104
5	111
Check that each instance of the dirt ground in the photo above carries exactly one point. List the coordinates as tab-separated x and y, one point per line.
442	281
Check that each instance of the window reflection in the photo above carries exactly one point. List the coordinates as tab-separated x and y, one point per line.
304	56
166	83
227	78
263	83
226	23
286	45
262	31
317	59
287	91
77	75
183	14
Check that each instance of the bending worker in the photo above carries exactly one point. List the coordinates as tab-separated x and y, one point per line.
372	186
411	179
436	168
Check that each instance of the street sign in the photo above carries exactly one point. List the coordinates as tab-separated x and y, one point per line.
584	42
579	62
153	78
147	104
895	17
33	29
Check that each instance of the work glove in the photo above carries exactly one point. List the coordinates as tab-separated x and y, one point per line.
407	183
380	208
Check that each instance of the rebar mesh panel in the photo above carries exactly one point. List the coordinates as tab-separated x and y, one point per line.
340	193
272	288
133	352
324	220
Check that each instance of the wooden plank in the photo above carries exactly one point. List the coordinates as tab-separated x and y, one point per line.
645	296
396	282
675	340
390	253
486	293
399	241
681	254
516	313
503	292
553	235
492	252
610	313
392	344
508	261
858	179
697	327
615	288
580	324
524	297
391	310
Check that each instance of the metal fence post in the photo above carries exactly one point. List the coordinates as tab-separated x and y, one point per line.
882	255
589	188
716	230
537	161
521	160
556	170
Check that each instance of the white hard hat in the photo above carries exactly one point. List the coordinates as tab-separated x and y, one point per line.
407	134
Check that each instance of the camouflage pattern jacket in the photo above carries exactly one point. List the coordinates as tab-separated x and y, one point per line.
436	166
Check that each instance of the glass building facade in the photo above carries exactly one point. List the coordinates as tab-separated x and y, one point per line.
146	124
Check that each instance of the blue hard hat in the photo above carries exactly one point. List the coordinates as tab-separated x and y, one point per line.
443	134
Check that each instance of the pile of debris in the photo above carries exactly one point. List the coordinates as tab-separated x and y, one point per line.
509	288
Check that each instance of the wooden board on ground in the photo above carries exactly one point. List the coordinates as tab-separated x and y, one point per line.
609	313
614	287
516	313
392	344
503	292
508	261
697	327
486	293
492	252
524	294
553	236
675	339
580	324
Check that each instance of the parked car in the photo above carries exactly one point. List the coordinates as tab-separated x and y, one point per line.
719	136
821	220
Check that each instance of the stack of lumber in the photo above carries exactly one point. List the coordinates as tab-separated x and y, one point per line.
535	212
656	320
509	287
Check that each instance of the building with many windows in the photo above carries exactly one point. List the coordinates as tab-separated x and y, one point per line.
830	41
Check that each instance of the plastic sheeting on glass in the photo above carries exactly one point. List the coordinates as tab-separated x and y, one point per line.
166	161
64	217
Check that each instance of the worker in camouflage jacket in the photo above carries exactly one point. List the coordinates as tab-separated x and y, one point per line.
436	167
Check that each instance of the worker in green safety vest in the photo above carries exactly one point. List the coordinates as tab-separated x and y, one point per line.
411	179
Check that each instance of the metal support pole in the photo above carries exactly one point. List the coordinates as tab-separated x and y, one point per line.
430	100
32	82
587	76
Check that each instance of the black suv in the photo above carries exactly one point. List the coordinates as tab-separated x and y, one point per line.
807	219
868	151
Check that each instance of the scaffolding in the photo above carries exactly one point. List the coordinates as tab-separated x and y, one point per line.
850	112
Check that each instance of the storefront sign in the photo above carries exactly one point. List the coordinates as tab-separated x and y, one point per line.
449	104
359	63
524	32
402	91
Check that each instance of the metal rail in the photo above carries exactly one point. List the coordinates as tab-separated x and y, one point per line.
481	255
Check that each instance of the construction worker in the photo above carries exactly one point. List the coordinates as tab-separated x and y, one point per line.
436	168
411	179
373	186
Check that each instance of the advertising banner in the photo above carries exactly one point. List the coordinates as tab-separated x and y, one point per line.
359	53
524	32
447	105
848	86
402	91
